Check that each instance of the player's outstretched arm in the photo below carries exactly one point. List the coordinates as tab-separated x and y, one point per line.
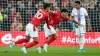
89	24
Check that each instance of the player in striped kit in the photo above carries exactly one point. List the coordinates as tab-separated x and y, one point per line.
80	15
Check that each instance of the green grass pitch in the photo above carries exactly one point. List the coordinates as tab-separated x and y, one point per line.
52	51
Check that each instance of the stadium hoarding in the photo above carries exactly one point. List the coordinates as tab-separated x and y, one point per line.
64	38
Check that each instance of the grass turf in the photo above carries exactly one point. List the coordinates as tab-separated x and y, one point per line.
52	51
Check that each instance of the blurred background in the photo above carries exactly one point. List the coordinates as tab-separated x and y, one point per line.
17	13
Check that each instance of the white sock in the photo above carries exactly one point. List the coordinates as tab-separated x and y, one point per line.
81	41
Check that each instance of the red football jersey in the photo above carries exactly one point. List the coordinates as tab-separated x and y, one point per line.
55	18
39	17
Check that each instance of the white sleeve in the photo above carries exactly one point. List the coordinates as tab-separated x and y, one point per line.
86	13
72	14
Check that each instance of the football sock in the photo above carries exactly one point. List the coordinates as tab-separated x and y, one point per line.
20	41
28	45
81	41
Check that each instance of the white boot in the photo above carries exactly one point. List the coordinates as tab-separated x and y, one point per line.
38	50
45	47
24	50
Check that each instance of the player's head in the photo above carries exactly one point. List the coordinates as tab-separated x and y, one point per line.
46	6
77	4
64	12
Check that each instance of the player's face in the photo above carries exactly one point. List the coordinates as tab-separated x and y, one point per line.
77	6
64	14
48	9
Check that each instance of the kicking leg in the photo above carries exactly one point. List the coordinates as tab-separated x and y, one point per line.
49	41
18	42
29	45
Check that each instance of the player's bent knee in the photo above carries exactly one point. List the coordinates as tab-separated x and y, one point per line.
47	38
36	39
55	36
36	42
27	38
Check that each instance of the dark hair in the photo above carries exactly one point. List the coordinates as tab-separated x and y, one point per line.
78	2
45	5
64	10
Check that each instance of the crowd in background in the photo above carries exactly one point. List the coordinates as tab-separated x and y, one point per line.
17	13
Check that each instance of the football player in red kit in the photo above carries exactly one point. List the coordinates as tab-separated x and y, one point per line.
31	28
50	34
